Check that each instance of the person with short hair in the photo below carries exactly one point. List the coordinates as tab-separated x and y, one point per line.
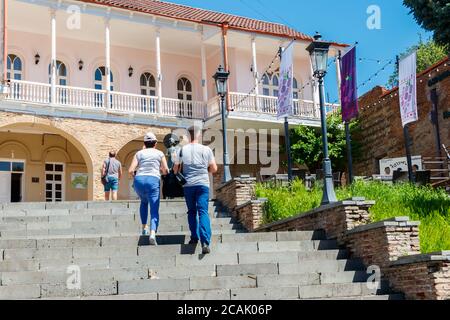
196	163
146	168
112	171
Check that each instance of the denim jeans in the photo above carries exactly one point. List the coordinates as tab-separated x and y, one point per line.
197	201
148	190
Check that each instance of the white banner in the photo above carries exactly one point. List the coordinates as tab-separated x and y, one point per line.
407	89
285	91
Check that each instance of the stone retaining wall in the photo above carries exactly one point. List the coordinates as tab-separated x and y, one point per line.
335	219
383	242
422	277
250	214
236	192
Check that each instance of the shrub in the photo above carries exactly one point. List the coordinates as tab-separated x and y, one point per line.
429	206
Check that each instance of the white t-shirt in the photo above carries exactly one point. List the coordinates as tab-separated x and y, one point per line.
149	162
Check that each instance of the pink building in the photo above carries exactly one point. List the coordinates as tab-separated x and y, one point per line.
161	58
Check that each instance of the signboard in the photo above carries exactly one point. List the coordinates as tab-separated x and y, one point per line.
407	89
79	181
388	166
285	91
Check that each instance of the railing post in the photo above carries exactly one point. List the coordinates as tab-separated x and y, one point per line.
53	65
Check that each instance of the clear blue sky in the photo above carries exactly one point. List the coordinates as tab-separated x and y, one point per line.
341	21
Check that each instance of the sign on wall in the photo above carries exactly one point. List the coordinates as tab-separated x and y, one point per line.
79	181
388	166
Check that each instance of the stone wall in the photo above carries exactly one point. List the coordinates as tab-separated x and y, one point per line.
236	192
382	133
335	219
250	214
383	242
422	277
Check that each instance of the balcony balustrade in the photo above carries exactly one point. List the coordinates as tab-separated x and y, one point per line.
75	97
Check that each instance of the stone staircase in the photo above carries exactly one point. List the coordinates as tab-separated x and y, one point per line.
45	246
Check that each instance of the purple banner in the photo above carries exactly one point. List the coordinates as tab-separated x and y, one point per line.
349	93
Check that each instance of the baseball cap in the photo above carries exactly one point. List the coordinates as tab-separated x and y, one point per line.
150	136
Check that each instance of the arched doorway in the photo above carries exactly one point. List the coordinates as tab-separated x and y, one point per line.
39	162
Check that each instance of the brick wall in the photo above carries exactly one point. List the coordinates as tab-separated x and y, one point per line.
422	277
383	242
236	192
250	214
382	133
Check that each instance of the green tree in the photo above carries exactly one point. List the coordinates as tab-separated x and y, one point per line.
306	144
428	53
432	15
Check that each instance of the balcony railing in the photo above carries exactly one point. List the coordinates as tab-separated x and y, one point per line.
268	105
66	96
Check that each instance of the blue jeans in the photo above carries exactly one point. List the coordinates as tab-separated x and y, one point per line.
148	190
197	201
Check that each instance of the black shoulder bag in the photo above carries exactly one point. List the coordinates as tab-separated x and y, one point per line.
180	177
105	177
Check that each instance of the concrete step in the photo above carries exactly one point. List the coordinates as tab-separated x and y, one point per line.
8	223
250	251
93	228
117	223
228	264
165	206
136	240
90	204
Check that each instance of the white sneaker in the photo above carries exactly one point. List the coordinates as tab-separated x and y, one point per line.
153	241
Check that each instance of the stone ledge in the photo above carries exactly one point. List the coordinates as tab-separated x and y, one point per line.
257	201
243	178
393	222
430	257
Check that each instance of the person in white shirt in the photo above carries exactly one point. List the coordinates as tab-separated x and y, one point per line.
146	168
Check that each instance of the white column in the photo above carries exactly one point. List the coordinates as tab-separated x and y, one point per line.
255	73
53	58
204	80
107	63
158	69
3	53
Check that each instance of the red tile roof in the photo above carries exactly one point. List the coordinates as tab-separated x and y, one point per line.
181	12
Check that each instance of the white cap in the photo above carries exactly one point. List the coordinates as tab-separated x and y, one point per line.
150	137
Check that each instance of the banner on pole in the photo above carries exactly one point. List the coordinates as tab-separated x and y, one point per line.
407	89
349	92
285	91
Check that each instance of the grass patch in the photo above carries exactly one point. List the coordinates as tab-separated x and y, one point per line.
429	206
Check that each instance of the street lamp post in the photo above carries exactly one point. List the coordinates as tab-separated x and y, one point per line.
221	78
318	51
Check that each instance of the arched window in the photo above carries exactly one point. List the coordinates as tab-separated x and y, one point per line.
184	89
148	88
296	89
14	67
61	73
100	80
148	84
270	85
